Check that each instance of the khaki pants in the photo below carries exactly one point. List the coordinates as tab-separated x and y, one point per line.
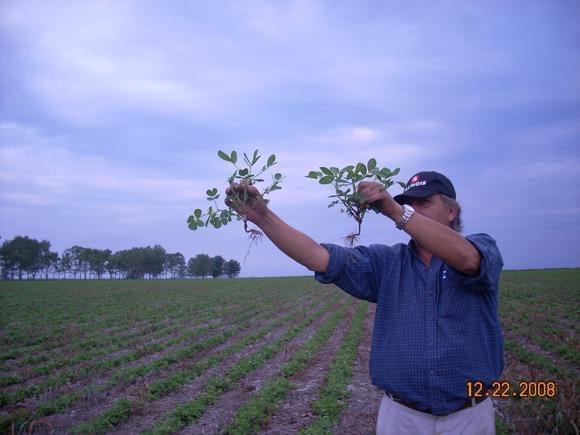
395	418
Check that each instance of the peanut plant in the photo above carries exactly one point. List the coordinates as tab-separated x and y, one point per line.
218	217
345	182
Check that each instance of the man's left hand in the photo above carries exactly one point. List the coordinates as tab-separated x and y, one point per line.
376	194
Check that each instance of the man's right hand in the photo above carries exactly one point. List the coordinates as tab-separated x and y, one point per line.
247	201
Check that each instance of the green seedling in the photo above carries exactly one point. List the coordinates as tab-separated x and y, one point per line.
346	181
245	175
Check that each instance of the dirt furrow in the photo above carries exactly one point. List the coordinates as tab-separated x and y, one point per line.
91	408
222	413
360	416
529	344
296	413
137	331
98	377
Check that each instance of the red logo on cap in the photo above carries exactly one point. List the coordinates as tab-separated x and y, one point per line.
415	178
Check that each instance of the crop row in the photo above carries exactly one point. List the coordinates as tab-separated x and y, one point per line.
233	314
126	375
252	416
191	411
129	375
164	386
97	333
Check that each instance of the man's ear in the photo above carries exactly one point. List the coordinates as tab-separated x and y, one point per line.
452	213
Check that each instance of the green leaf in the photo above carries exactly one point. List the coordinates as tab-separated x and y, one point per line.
224	156
361	168
395	172
259	179
386	172
277	176
192	226
234	157
403	185
255	157
197	213
326	171
357	197
372	164
313	174
217	223
247	160
326	179
334	170
208	192
199	223
243	172
190	219
271	160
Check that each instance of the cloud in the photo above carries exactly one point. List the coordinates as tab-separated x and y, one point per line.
88	62
41	170
546	187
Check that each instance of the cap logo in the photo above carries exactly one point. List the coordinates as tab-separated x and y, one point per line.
415	178
415	184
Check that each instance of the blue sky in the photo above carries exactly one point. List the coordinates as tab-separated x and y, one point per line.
112	112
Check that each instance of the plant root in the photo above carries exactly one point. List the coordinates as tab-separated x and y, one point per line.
350	240
255	237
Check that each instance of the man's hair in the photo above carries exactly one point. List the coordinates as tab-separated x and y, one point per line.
456	223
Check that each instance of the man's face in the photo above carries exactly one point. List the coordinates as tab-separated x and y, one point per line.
434	208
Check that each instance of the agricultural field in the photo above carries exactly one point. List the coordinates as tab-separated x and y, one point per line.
263	355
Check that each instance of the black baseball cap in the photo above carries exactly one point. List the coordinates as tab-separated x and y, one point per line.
424	184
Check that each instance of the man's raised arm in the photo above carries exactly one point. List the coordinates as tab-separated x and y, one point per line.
289	240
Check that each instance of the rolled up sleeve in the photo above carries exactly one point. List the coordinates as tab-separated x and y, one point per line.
489	268
352	270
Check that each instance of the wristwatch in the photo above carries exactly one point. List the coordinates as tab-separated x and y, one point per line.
408	211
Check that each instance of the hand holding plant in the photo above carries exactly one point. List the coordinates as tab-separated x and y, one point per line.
244	201
348	184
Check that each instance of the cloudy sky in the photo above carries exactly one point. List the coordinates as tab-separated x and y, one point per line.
112	113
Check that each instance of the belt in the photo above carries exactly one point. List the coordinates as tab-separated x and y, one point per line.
467	404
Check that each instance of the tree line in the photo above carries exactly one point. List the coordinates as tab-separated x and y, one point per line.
26	258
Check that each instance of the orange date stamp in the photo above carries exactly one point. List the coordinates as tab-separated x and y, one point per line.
505	389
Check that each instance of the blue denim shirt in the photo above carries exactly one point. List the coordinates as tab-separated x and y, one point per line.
435	328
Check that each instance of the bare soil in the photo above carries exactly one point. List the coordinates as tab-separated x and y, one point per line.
219	416
94	405
360	416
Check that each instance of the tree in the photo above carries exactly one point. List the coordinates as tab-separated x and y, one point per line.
48	260
218	264
232	268
65	263
174	263
200	266
22	254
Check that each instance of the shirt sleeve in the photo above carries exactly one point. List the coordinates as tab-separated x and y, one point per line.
489	267
352	270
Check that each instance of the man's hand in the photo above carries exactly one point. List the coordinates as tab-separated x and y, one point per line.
247	201
376	194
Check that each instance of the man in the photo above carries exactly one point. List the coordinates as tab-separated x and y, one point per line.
436	326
